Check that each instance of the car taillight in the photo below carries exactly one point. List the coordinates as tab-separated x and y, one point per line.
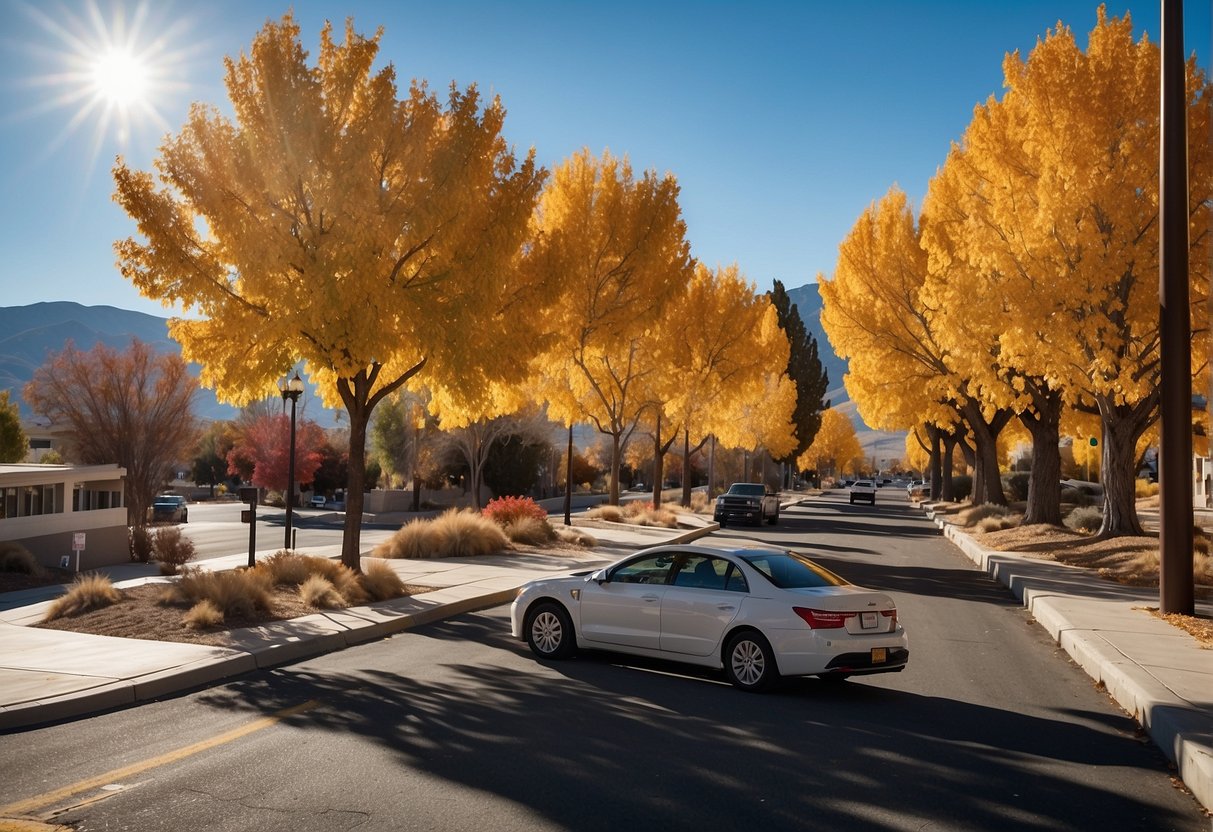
891	614
823	619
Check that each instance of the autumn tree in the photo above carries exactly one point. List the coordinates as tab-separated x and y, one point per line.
804	369
878	314
134	408
834	446
614	246
1051	202
372	237
401	434
261	452
13	443
210	455
715	346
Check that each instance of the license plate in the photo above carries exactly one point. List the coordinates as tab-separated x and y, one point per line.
879	655
868	620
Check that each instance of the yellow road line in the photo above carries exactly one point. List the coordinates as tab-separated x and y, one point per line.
32	804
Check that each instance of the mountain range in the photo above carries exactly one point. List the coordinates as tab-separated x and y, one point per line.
29	333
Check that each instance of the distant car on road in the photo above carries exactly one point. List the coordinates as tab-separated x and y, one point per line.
758	614
752	502
170	508
318	500
864	490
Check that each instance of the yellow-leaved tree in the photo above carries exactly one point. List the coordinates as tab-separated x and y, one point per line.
717	344
877	315
1045	220
614	249
834	447
370	236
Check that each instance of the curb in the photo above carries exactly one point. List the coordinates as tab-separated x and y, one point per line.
1182	732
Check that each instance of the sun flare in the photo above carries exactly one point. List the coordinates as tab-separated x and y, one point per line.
120	77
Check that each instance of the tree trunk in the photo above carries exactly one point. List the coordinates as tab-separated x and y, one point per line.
658	464
613	491
1044	483
936	461
1123	425
568	481
987	483
686	467
351	542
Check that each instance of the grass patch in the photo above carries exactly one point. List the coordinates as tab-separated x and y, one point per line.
87	592
528	531
576	537
454	534
973	516
319	592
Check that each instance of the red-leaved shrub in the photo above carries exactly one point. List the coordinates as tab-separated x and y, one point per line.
505	510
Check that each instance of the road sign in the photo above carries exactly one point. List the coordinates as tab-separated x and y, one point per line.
246	516
78	542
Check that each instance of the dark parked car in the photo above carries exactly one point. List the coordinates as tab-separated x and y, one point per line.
752	502
170	508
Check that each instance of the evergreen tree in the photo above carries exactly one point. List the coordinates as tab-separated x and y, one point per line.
804	368
13	442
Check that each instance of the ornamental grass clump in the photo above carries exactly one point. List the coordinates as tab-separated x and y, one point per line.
575	536
973	516
415	540
468	534
88	592
529	531
203	615
319	592
609	513
381	582
237	593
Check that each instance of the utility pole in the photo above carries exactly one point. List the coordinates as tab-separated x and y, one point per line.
1176	585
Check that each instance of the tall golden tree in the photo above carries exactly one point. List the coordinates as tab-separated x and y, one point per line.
1045	217
615	246
132	407
834	447
372	237
878	315
716	345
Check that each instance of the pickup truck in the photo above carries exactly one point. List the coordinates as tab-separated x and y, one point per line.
749	501
863	490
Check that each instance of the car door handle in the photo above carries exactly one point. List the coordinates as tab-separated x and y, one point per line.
650	597
726	607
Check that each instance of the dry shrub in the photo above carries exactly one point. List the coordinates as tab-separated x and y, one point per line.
319	592
1202	568
612	514
286	568
238	593
1085	519
529	532
172	549
1200	541
16	558
380	581
416	540
575	536
87	592
973	516
700	504
996	524
349	587
641	513
202	615
140	539
468	534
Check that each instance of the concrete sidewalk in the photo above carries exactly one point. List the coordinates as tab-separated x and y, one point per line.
49	675
1158	673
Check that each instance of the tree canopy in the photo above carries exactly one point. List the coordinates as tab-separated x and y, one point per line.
371	236
13	443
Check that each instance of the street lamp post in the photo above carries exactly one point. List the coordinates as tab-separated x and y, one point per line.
292	390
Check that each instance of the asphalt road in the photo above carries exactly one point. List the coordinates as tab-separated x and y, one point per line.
216	530
455	726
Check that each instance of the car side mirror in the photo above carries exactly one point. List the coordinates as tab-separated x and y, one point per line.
599	577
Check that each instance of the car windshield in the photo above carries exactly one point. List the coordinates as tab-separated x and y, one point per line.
790	570
747	489
864	484
166	501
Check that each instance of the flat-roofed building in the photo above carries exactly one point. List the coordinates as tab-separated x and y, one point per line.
43	507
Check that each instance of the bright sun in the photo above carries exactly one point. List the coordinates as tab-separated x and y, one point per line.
120	78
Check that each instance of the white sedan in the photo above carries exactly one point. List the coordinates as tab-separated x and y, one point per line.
757	613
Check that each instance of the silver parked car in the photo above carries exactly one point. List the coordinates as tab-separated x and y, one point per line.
756	613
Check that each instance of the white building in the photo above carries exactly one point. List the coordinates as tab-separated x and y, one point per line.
43	507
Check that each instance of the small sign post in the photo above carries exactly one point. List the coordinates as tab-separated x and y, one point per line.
249	515
78	547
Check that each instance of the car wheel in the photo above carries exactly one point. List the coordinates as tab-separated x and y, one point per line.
549	631
749	662
722	523
852	499
773	519
185	517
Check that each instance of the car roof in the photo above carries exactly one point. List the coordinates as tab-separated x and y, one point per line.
701	549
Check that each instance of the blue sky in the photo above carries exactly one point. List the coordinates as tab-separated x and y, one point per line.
781	120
